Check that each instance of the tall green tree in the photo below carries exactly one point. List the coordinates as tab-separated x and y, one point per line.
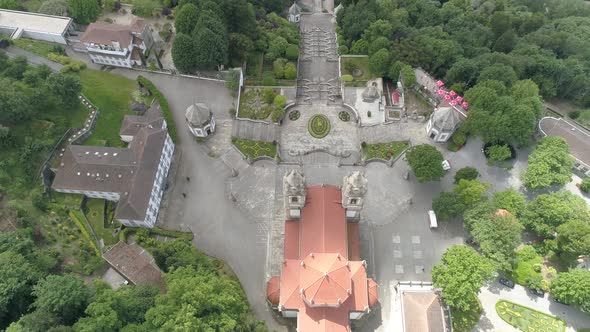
548	211
65	296
448	205
471	191
573	287
211	50
184	53
84	11
379	62
510	200
460	275
573	237
65	87
498	236
198	302
18	277
186	19
426	162
549	164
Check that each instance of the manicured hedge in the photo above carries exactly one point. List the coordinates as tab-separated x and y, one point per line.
163	104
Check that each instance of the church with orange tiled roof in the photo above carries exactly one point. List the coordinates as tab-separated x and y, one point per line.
323	282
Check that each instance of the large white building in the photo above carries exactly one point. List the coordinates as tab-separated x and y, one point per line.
49	28
133	176
116	44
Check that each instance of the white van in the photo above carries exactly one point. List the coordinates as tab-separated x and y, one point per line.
432	219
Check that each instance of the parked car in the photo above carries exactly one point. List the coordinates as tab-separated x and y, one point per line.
537	292
446	165
559	301
506	282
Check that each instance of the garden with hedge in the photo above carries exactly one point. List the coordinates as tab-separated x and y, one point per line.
318	126
384	151
254	149
262	104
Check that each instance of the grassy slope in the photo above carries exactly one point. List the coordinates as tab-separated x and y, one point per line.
38	47
361	63
111	94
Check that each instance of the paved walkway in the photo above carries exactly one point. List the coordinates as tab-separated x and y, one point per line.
32	58
493	292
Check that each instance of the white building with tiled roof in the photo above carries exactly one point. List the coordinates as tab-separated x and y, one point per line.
133	176
116	44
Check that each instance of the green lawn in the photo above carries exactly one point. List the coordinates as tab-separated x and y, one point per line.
362	66
38	47
254	149
111	94
32	5
384	151
95	215
527	319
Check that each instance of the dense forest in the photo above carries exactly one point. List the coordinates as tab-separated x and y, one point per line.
468	41
214	33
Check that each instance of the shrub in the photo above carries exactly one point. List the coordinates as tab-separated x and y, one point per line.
268	79
574	115
290	71
292	52
466	173
268	95
346	78
280	101
585	185
277	114
278	67
342	49
163	104
459	138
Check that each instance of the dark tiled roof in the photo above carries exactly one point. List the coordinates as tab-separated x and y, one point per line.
423	312
133	123
135	264
129	171
102	33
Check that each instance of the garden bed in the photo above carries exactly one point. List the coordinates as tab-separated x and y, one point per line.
384	151
357	67
255	149
318	126
257	104
527	319
95	215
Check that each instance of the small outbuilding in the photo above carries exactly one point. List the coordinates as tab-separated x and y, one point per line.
199	119
294	13
443	122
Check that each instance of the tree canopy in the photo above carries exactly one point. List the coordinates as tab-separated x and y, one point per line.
573	287
426	162
84	11
467	42
549	164
548	211
64	296
460	275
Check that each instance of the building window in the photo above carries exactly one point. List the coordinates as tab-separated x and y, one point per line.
353	201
